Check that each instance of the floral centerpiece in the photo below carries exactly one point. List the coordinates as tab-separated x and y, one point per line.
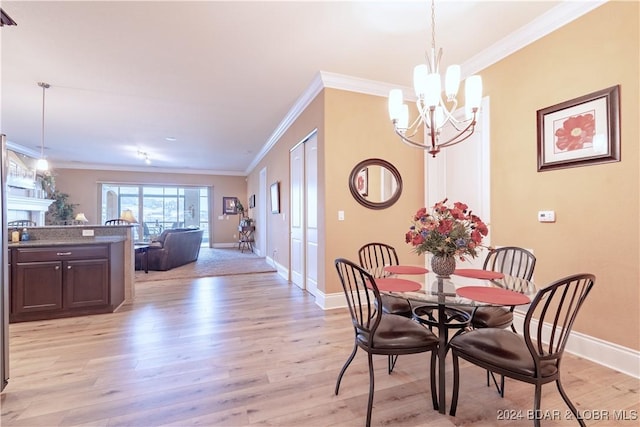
446	232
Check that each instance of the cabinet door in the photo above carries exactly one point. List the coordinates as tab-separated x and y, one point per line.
37	287
86	283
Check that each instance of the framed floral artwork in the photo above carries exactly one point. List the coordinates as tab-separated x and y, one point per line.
362	182
580	132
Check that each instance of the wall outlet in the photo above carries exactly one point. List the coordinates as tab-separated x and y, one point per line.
87	233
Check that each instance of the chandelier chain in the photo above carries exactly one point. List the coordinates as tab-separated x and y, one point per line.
433	27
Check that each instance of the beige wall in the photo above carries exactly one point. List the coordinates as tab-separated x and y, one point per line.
347	134
82	187
597	207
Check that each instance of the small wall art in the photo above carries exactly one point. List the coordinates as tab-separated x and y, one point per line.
229	206
275	197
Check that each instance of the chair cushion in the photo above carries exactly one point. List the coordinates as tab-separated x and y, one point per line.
395	305
502	349
492	317
400	333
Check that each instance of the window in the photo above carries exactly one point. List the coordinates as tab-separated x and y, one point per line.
157	208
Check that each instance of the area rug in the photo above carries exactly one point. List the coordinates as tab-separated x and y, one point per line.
212	262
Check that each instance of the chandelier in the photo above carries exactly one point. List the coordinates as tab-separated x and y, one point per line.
42	164
433	113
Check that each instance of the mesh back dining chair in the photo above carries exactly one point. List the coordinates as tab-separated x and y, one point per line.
535	357
377	332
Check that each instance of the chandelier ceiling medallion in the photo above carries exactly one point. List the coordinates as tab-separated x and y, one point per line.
42	164
433	113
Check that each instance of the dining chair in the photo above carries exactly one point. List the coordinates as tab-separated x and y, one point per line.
117	222
535	356
375	256
377	332
511	260
21	223
514	261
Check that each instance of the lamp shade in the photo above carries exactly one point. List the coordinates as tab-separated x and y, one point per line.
127	215
81	217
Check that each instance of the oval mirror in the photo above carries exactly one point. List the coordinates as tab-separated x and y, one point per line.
375	183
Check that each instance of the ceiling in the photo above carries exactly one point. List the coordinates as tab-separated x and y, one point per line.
206	86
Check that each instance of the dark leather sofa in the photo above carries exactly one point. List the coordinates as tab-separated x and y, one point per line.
173	248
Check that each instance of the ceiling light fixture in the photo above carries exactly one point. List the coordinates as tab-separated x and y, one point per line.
433	114
144	156
42	164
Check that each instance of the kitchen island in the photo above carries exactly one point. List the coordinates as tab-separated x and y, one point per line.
63	275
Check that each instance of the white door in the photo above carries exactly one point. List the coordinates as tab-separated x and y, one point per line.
296	165
462	173
311	196
261	208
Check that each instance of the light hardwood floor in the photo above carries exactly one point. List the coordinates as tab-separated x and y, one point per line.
254	350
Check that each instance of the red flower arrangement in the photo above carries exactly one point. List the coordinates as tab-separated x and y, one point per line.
446	231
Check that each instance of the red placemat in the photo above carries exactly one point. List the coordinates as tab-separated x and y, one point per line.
392	284
493	295
405	269
478	274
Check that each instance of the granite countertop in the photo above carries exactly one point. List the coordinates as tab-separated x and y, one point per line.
66	242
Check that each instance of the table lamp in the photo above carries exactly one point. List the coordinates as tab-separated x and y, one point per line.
127	215
81	217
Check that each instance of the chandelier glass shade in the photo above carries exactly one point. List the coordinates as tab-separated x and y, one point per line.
434	111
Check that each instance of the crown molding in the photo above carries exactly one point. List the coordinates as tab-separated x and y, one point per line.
543	25
146	169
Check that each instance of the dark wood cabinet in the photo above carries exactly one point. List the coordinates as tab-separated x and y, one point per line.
61	281
37	286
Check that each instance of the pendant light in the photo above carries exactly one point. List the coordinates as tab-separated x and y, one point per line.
42	164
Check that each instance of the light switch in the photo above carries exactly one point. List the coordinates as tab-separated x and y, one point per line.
340	215
547	216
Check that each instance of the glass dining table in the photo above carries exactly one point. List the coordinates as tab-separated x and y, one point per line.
443	299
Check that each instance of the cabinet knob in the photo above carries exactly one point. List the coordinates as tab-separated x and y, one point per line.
68	267
57	267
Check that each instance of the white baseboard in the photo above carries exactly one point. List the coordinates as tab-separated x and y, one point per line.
602	352
281	269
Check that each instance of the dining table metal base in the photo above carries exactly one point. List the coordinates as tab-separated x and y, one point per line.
444	318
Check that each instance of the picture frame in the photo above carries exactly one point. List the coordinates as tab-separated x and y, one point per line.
252	201
580	132
362	182
275	197
229	206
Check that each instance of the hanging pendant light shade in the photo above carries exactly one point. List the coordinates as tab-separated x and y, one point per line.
42	164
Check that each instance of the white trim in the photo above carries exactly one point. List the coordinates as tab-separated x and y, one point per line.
281	269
